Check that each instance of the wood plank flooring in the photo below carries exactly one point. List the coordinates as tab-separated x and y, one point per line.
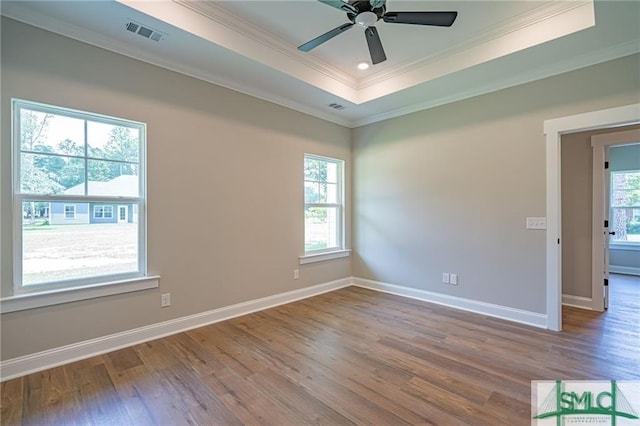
353	356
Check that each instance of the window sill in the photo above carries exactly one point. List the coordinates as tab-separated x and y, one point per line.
320	257
23	302
625	246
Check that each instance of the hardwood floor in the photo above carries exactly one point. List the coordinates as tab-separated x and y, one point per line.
353	356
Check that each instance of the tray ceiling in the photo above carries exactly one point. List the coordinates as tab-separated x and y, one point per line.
250	46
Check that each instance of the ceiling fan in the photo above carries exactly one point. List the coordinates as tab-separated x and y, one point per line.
366	13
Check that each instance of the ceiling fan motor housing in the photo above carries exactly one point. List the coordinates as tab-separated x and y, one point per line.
363	6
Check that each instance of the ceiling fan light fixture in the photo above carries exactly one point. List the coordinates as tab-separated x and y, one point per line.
365	13
363	65
366	19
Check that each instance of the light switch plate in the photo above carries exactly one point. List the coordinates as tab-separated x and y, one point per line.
536	223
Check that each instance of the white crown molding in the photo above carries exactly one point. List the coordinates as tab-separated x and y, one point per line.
537	73
494	32
201	25
494	46
39	361
265	39
19	13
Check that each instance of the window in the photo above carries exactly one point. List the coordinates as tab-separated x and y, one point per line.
68	164
69	211
624	217
102	212
323	204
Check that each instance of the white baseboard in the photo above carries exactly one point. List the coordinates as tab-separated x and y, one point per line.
577	301
489	309
626	270
32	363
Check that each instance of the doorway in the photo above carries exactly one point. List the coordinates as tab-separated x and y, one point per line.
553	130
584	188
616	159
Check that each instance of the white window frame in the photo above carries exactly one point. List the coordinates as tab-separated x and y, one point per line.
55	292
635	245
339	250
73	210
103	212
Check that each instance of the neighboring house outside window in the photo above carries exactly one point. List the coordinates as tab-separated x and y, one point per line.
323	204
624	217
87	171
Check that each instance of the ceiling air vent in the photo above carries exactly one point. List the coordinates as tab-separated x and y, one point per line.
336	106
144	31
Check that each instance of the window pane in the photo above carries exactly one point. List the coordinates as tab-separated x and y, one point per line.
332	173
322	195
331	193
311	169
55	248
35	213
625	222
113	178
51	133
311	192
624	218
625	189
51	174
108	141
321	228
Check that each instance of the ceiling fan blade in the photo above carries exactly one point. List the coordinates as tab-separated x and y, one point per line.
325	37
439	19
375	45
339	4
377	3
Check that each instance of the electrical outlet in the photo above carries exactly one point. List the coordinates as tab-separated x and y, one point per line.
296	274
445	277
453	279
165	300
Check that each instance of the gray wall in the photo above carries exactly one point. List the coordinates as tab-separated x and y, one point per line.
225	193
448	189
577	210
442	190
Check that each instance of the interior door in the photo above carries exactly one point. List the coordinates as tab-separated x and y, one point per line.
606	234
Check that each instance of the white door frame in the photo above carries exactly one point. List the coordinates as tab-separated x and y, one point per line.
554	129
600	143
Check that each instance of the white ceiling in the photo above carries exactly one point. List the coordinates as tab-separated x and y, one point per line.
250	46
